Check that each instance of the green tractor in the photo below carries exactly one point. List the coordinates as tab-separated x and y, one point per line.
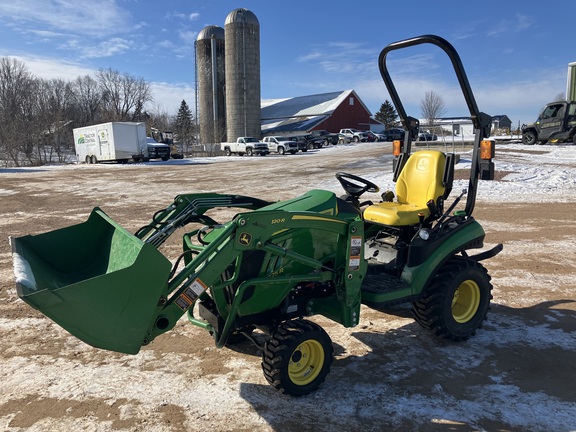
276	263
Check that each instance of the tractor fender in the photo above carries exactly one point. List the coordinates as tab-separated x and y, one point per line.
417	273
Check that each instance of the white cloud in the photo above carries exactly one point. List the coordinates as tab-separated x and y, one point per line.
168	96
79	16
520	23
189	37
108	48
48	68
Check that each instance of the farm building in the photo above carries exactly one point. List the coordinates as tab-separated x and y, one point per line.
327	111
463	127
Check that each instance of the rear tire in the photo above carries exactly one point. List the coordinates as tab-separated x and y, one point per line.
456	302
227	151
297	357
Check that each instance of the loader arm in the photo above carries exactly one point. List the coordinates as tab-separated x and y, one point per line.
188	208
254	231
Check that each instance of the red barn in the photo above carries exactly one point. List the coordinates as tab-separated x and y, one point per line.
327	111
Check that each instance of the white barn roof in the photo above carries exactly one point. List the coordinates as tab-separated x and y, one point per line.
300	113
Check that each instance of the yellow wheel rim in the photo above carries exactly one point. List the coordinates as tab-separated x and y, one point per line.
466	301
306	362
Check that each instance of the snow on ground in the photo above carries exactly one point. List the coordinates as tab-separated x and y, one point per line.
535	173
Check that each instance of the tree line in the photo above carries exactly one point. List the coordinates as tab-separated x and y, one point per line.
37	115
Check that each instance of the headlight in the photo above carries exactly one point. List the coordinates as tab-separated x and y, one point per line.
424	234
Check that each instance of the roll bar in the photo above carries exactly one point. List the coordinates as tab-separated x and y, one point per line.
481	121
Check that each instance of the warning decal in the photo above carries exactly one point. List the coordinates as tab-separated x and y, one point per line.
183	302
355	252
197	288
190	294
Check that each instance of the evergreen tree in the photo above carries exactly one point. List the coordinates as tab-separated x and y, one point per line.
184	126
387	115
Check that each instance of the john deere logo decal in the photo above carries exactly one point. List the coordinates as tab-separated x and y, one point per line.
245	239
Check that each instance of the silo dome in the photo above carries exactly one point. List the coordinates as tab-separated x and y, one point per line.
209	31
211	76
242	16
242	47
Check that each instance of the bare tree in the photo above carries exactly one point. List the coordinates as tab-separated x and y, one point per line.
158	118
56	104
17	108
432	107
87	101
122	94
37	116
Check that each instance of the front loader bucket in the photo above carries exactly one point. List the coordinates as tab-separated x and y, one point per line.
95	279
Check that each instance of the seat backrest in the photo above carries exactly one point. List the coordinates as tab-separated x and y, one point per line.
421	178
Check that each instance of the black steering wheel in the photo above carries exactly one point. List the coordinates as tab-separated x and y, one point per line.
354	185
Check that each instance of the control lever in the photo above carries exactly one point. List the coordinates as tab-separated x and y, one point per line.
454	204
432	207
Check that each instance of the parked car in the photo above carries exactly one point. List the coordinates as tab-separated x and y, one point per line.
281	144
301	141
425	136
371	136
380	136
321	138
354	135
394	134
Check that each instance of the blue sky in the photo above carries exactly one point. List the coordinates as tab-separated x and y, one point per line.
516	53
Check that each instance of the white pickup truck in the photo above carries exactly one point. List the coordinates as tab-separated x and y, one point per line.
352	135
245	145
281	145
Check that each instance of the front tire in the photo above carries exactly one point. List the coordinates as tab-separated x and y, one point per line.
281	150
529	138
297	357
456	302
249	151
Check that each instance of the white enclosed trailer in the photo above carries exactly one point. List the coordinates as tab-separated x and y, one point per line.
116	141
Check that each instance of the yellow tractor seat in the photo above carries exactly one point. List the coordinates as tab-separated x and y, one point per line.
419	182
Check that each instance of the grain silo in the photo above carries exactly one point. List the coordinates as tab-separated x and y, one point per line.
242	46
210	73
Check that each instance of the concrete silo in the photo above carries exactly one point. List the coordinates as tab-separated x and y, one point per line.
242	47
210	73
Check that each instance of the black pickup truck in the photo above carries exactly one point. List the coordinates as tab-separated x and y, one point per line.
322	138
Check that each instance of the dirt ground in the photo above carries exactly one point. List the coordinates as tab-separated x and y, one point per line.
517	373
